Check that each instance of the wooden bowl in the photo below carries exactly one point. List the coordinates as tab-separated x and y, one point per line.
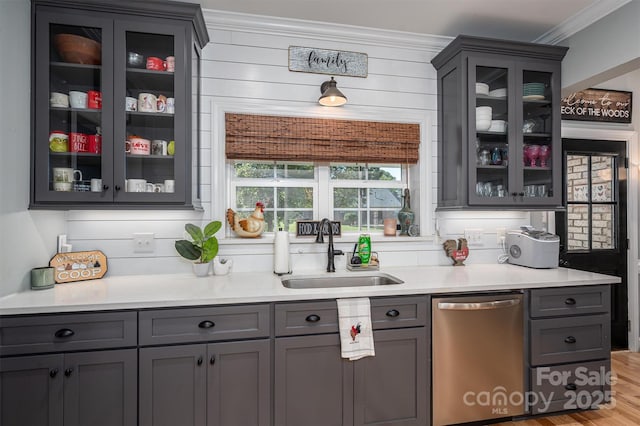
77	49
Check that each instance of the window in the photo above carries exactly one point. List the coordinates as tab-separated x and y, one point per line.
359	196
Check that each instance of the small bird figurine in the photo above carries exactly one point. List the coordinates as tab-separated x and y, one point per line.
250	227
457	252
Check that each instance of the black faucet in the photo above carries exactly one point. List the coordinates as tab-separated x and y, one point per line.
331	252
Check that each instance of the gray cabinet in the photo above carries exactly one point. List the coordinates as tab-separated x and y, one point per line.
69	388
498	124
213	384
315	386
569	348
87	127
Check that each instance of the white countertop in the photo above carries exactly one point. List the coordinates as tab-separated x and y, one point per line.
154	291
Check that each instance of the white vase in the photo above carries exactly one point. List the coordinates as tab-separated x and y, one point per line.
220	268
201	269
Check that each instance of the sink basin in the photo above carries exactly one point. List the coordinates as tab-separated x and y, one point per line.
324	281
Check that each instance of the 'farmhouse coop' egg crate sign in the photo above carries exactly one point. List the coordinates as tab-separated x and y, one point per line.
79	266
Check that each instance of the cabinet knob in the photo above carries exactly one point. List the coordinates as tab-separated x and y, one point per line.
53	373
521	194
569	339
68	371
64	333
570	386
514	194
200	360
570	301
207	324
312	318
117	187
105	187
212	360
392	313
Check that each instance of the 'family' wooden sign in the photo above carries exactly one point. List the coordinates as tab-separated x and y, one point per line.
322	61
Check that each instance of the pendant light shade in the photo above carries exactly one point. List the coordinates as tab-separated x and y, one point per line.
331	96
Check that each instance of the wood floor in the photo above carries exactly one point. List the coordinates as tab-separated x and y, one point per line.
624	410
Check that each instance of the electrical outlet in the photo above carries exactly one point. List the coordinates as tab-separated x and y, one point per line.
473	236
501	234
144	242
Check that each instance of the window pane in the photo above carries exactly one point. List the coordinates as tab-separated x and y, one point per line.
253	170
287	219
295	171
577	176
344	198
248	196
384	197
602	174
577	227
348	172
602	221
388	173
295	198
348	219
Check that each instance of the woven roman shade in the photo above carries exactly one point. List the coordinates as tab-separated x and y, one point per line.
277	138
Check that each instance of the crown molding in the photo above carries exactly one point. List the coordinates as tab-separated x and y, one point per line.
300	28
587	16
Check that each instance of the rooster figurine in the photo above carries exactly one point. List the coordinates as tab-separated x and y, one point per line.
252	226
458	252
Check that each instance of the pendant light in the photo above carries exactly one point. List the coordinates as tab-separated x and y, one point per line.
331	96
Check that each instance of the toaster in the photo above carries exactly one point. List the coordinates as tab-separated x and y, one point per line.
533	248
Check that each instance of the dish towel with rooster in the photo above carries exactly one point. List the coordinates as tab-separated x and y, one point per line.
356	335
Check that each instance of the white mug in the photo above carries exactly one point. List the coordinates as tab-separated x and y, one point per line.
66	174
149	187
147	102
59	100
62	186
169	185
131	104
96	185
78	99
158	187
171	106
159	147
136	185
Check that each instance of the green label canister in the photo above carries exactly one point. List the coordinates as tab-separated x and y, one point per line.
364	248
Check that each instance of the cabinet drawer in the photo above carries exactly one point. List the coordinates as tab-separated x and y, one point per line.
306	318
398	312
550	302
166	326
61	333
571	386
322	317
571	339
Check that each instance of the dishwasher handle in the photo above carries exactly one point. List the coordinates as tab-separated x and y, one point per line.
477	306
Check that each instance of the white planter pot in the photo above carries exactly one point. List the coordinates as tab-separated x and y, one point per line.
201	269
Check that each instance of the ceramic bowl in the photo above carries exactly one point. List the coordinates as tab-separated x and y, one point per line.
77	49
483	112
498	126
483	125
482	88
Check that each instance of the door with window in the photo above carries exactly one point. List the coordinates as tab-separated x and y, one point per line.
593	229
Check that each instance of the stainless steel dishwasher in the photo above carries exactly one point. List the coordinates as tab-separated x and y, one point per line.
477	344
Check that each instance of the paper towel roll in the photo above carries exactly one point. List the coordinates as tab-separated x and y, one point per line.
281	253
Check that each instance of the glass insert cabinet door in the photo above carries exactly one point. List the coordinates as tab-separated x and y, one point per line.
71	156
149	148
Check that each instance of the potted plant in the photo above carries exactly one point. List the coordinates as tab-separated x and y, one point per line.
203	247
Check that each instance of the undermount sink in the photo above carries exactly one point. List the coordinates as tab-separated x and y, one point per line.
340	281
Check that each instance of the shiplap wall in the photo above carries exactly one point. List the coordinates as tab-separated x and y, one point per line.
247	61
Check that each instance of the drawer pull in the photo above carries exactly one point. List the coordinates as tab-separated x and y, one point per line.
212	360
570	339
64	333
570	301
207	324
571	386
53	373
312	318
68	371
392	313
200	360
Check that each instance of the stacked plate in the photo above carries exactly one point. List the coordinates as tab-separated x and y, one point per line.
482	89
498	93
533	91
483	118
498	126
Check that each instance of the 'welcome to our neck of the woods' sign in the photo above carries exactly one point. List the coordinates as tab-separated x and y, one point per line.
322	61
612	106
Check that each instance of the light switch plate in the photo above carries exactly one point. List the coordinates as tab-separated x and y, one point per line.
473	236
144	242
